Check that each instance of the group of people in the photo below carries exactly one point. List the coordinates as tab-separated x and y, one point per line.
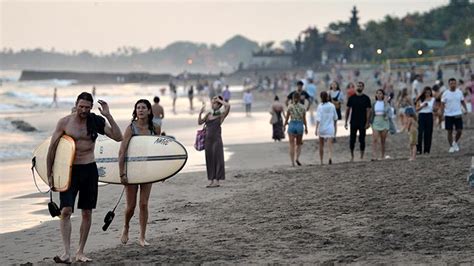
362	113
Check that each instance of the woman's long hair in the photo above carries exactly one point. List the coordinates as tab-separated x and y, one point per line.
383	93
337	85
422	96
151	126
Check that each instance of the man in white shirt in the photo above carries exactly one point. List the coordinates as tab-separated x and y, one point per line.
452	103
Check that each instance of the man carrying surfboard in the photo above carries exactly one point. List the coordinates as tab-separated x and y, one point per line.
84	127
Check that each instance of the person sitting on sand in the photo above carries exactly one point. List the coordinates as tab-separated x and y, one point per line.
214	148
297	113
84	127
326	115
142	124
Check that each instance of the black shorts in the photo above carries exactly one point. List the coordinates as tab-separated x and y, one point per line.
85	180
450	121
339	114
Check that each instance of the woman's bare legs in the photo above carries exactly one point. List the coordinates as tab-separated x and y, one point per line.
131	195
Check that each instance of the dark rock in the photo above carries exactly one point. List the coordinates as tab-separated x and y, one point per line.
23	126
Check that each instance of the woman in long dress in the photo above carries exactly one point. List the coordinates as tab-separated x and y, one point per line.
142	124
214	147
277	112
326	116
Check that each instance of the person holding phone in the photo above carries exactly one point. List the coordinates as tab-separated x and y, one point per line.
214	147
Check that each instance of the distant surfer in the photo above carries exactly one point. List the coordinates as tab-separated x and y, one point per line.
173	94
142	124
84	127
55	98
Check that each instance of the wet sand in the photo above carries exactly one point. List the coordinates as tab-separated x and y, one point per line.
390	211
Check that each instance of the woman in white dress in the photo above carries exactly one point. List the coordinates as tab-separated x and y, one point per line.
326	116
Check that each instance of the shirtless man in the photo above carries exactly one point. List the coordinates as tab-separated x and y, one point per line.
83	126
158	112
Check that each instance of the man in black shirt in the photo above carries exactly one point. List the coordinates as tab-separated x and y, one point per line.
358	107
303	93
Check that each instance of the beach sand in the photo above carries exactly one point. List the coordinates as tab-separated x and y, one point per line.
390	211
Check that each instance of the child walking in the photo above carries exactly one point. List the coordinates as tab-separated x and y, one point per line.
412	128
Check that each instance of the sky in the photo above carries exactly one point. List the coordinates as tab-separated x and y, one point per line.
103	26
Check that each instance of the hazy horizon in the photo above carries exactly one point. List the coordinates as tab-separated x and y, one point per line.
103	26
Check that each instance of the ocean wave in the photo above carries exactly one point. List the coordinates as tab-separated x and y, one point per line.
14	153
7	107
34	98
49	82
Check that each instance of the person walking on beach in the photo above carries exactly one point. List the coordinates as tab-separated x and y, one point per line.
311	89
380	115
173	94
326	115
214	148
337	98
416	87
424	107
403	102
191	97
304	96
350	90
358	108
452	103
277	110
226	94
412	128
158	112
55	98
438	115
142	124
297	113
84	127
248	99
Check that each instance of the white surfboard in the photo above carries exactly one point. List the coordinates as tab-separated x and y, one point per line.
149	159
62	165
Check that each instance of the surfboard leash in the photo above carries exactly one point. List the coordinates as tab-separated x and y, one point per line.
33	164
123	190
109	217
